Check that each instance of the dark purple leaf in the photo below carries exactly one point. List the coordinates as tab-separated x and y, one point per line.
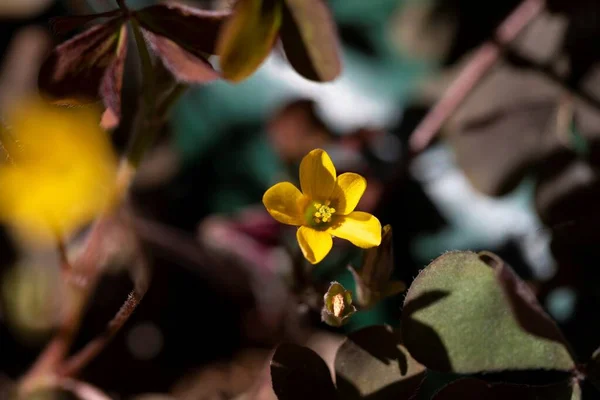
523	302
65	24
298	373
112	83
310	40
193	29
75	70
372	363
476	389
185	66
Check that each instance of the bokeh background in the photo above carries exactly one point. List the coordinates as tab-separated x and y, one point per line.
219	296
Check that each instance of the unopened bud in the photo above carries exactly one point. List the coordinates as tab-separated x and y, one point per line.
338	305
373	279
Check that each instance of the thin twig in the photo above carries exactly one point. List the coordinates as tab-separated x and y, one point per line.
79	360
482	61
83	280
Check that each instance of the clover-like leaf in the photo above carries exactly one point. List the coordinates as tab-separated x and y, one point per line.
185	66
248	36
310	40
298	373
112	83
512	123
193	29
373	363
469	313
76	69
476	389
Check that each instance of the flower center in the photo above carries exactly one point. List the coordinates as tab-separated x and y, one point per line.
338	305
323	213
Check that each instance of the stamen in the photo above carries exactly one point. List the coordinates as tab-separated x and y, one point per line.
323	213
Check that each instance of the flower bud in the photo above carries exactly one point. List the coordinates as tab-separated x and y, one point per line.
338	305
373	280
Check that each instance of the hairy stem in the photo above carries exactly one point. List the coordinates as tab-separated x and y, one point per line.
79	360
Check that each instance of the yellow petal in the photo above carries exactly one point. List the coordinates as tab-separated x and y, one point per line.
285	203
360	228
63	173
317	175
315	244
348	190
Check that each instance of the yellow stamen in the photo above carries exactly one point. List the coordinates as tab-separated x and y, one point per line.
338	305
323	213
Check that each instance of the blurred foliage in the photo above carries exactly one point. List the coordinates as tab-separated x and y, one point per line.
514	170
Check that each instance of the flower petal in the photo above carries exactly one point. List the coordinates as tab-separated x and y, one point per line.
315	244
285	203
360	228
348	190
317	175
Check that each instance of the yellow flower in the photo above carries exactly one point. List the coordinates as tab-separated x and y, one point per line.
324	208
59	171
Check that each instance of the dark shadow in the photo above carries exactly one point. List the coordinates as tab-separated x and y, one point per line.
426	346
423	301
298	373
382	344
530	377
423	342
404	389
475	389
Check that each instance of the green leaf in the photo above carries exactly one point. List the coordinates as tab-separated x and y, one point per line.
470	313
373	363
310	40
476	389
248	36
298	373
193	29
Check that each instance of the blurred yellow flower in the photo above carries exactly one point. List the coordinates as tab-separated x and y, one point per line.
324	208
59	172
